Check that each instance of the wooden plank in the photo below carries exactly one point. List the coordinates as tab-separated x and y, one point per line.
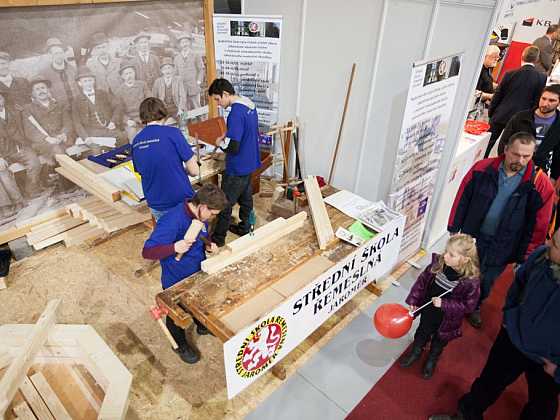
263	231
53	229
48	395
48	242
23	412
226	257
13	233
252	310
321	221
302	275
119	205
208	11
126	221
209	130
106	189
19	367
80	234
34	400
41	218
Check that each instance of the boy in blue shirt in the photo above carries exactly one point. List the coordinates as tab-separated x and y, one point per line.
158	153
167	240
241	145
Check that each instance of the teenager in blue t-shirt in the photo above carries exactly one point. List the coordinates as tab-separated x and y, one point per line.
158	153
167	240
241	144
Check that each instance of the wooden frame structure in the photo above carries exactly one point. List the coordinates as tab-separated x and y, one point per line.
60	372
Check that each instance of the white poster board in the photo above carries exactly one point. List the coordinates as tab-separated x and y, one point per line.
248	55
430	100
258	347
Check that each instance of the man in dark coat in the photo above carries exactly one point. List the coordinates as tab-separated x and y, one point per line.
146	62
15	90
519	89
96	113
46	122
544	43
544	123
506	204
528	342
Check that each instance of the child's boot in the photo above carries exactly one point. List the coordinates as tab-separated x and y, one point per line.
436	349
412	356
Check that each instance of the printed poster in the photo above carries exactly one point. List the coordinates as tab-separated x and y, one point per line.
248	55
430	100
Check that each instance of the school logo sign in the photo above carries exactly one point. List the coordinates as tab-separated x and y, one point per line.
261	347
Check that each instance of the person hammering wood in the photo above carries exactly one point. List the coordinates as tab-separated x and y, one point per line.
241	145
180	253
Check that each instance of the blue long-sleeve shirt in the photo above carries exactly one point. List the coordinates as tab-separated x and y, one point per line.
169	229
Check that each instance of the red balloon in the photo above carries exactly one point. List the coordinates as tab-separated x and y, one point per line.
392	320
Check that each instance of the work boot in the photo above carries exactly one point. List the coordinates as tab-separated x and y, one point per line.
236	229
188	354
201	328
435	351
412	356
475	320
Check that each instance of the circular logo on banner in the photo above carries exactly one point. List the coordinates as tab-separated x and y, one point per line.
261	347
253	27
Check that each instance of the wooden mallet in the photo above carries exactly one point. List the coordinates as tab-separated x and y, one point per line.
157	312
191	234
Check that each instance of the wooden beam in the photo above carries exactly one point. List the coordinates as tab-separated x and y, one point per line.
15	374
321	221
13	233
252	310
208	9
107	190
23	412
34	400
52	228
302	275
259	234
49	396
227	257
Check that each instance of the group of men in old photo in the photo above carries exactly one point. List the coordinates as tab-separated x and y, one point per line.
91	100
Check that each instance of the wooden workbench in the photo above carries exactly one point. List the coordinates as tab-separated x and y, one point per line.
211	297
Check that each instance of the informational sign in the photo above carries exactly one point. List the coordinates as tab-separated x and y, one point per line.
248	55
431	96
258	347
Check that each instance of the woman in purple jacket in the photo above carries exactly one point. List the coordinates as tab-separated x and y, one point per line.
456	272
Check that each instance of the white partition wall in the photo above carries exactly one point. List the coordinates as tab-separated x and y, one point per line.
322	38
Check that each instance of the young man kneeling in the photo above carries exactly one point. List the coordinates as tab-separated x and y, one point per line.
167	240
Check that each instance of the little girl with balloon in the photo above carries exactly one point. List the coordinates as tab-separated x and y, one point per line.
451	284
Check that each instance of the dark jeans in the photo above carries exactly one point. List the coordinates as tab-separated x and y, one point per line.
496	130
237	190
430	321
504	365
177	332
489	269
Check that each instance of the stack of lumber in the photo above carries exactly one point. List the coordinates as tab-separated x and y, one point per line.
60	372
82	221
249	244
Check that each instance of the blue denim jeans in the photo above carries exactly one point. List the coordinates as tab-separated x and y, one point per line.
157	213
489	270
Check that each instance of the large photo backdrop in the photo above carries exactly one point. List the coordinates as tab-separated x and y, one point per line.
72	79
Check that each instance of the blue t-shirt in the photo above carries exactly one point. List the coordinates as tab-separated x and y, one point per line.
158	153
170	228
243	127
541	127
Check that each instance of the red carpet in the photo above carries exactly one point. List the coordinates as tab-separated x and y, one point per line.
402	394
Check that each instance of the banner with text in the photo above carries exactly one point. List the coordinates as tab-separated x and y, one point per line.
430	100
248	55
258	347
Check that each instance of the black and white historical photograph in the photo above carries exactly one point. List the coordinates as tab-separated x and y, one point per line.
72	80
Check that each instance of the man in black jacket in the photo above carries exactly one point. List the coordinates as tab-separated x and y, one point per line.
519	89
544	123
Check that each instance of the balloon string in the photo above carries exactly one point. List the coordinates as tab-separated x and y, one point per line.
411	313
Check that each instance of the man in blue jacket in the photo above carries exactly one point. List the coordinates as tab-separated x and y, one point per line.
241	144
167	240
528	342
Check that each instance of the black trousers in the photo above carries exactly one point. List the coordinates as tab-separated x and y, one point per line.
430	321
504	365
496	130
237	190
177	332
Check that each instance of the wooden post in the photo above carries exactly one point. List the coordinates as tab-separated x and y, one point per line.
17	371
210	55
342	122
